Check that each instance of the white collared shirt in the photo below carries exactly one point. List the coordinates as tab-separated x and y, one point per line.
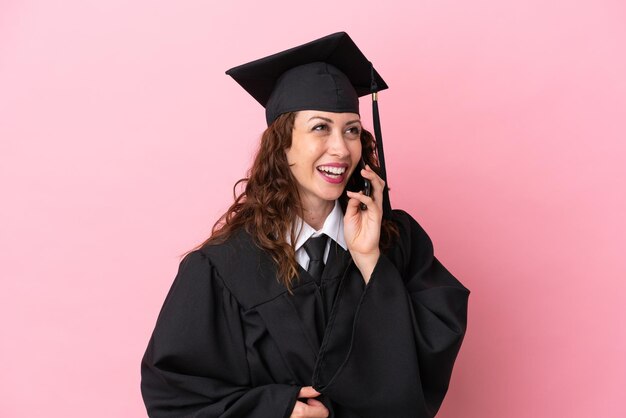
333	227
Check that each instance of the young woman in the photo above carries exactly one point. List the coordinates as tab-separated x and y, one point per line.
311	298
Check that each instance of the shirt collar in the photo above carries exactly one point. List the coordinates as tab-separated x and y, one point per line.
333	227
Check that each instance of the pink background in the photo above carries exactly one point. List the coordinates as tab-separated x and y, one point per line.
121	138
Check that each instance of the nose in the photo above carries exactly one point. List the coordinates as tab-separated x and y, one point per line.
337	144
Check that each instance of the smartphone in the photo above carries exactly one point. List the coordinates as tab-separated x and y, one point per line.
367	187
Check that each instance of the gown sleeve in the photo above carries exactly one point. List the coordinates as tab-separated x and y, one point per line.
195	364
389	349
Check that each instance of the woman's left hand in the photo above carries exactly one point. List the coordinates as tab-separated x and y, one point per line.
362	227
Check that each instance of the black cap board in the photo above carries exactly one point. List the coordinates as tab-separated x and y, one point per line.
327	74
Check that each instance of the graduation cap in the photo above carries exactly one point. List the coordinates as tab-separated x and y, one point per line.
327	74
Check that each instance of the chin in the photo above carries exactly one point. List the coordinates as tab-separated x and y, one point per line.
329	192
332	196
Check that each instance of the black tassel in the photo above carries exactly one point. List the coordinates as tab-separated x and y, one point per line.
379	146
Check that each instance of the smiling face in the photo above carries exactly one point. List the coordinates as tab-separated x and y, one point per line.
325	150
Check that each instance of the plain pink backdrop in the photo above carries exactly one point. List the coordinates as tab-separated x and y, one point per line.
121	138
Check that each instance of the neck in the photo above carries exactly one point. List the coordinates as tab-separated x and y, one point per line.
315	215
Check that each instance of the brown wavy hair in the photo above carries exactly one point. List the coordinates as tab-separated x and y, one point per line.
269	205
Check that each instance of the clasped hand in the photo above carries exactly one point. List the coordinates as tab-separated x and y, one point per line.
312	408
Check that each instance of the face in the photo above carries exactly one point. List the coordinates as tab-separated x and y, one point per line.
325	150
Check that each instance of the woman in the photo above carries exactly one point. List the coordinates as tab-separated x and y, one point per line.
310	299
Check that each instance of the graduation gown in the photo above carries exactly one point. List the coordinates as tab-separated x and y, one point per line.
230	341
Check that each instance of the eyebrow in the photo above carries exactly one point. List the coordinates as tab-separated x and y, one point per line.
331	121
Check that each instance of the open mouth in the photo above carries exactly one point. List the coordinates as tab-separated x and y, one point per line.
332	172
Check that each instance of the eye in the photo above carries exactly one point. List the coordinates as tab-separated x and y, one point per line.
354	131
320	127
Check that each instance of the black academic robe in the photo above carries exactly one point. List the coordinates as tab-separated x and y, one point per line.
230	341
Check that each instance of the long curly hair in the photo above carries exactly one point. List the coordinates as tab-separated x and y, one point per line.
269	205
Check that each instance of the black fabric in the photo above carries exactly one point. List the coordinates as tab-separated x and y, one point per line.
314	86
315	247
327	74
230	341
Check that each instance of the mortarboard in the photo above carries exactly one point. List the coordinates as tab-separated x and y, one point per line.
327	74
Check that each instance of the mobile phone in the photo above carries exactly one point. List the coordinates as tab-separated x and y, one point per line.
367	187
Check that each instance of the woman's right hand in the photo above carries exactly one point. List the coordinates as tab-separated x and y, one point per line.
312	408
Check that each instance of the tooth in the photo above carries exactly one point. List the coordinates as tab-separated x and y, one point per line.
333	170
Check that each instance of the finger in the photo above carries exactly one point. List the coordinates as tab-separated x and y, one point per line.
372	203
352	208
308	392
378	193
370	174
298	409
302	410
315	409
378	184
314	402
360	197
